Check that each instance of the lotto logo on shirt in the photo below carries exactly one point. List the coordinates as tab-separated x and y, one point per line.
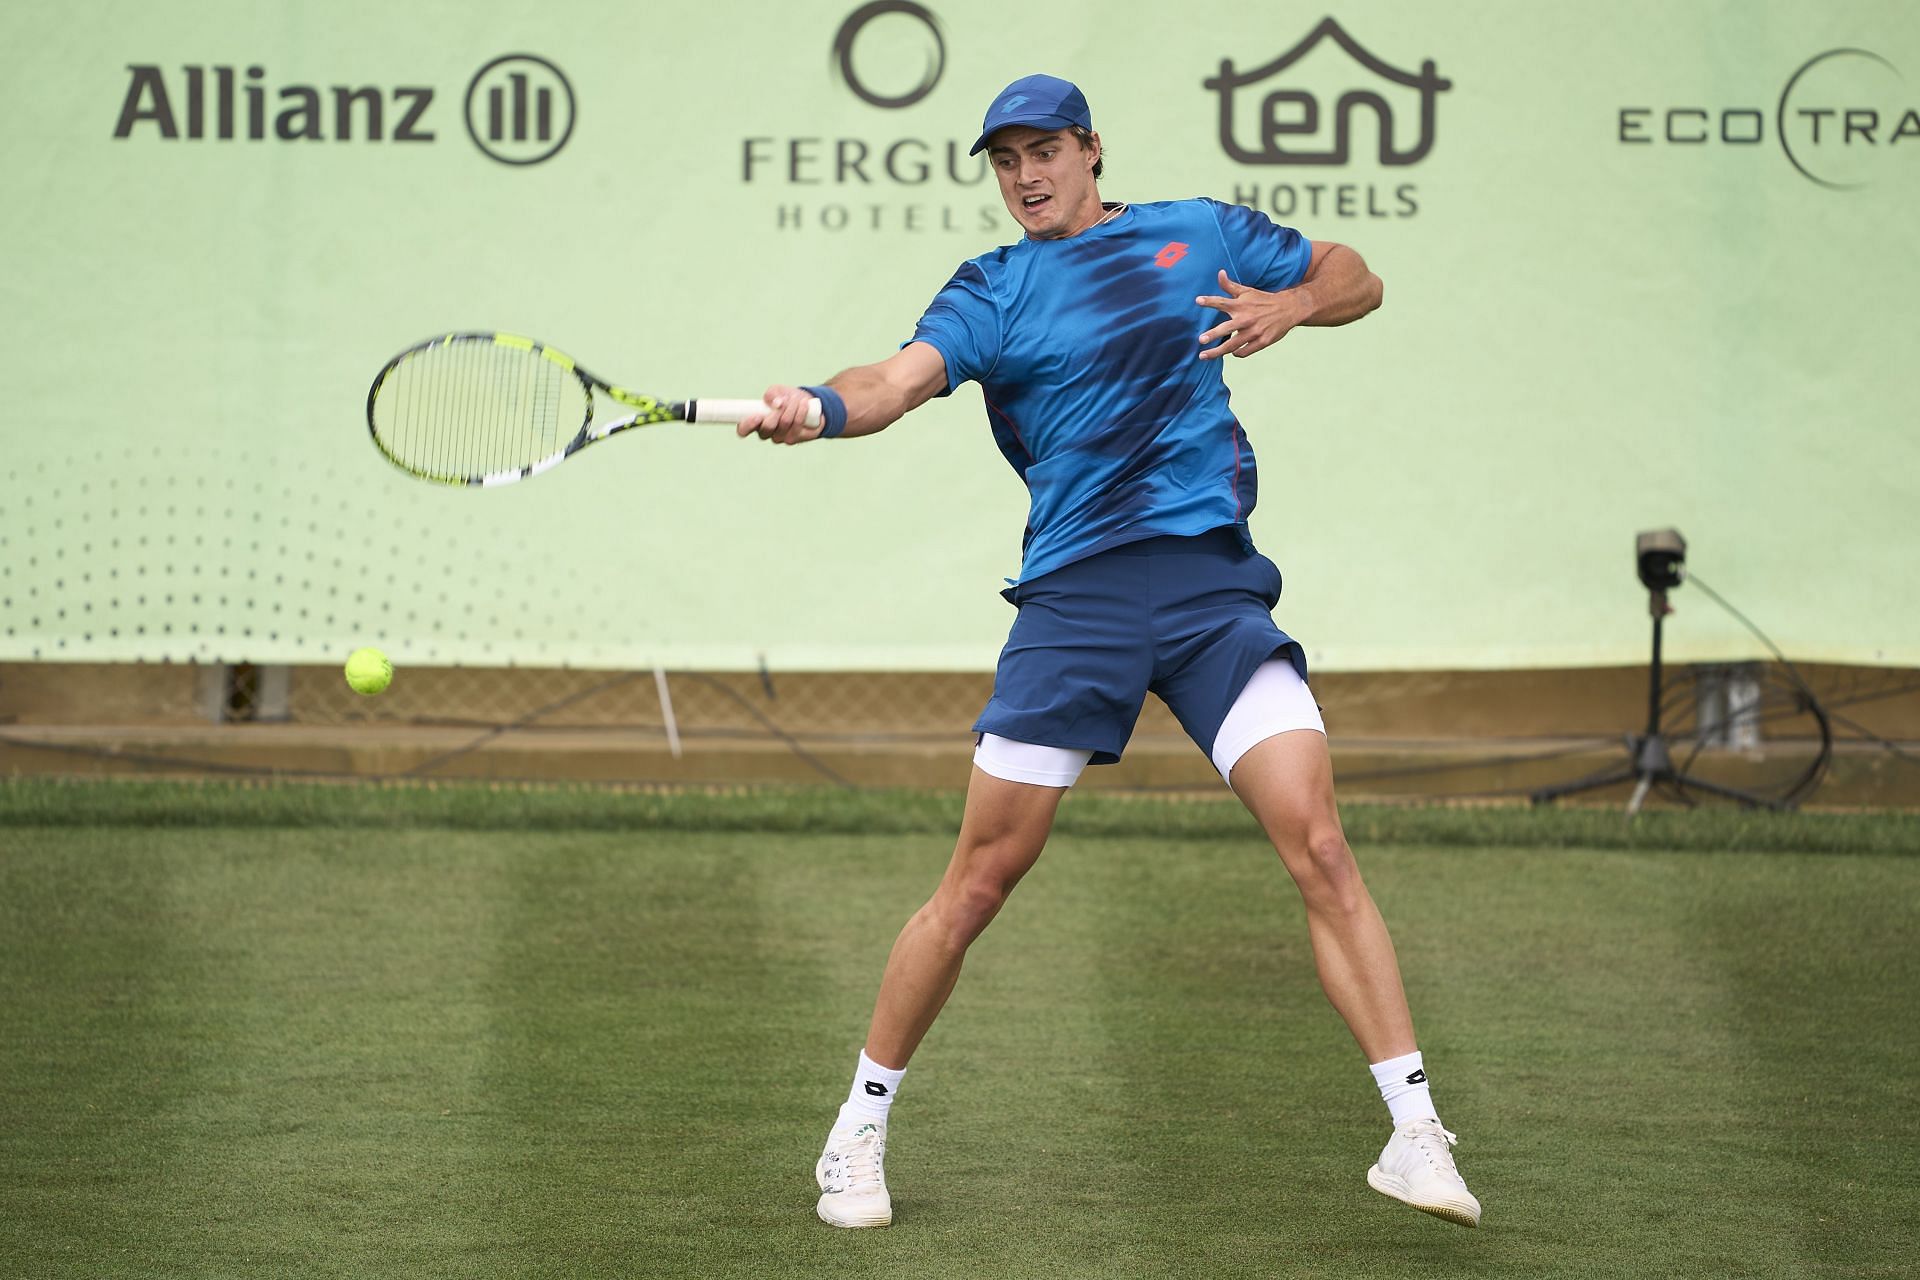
1328	102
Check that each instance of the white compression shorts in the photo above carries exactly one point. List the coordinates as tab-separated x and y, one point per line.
1276	700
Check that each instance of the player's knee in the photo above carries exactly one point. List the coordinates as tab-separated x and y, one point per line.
968	914
1328	876
963	912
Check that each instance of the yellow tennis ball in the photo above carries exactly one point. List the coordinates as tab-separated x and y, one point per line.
368	671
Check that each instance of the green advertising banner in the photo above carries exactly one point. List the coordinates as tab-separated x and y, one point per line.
1646	264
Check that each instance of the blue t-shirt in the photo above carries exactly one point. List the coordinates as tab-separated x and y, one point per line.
1087	353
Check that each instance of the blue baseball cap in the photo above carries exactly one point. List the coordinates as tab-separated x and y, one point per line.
1040	102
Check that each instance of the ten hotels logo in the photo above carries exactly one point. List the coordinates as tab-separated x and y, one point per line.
520	108
1329	102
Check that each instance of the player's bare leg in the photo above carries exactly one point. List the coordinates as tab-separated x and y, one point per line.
1004	828
1001	835
1287	783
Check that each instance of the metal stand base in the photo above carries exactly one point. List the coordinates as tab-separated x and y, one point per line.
1652	767
1652	759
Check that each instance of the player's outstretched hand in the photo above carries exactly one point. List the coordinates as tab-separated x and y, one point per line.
785	421
1255	319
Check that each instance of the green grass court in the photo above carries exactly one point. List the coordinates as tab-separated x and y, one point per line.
361	1032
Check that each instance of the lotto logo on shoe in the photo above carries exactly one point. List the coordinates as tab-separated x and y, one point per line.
1418	1077
876	1089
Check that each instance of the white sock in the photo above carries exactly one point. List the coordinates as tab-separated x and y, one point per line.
872	1092
1403	1085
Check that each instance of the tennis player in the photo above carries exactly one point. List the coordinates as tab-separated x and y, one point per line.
1096	341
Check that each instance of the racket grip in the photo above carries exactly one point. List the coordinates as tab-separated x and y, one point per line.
741	410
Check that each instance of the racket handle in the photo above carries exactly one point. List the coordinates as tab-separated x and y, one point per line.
741	410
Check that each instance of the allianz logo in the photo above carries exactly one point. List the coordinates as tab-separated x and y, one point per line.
519	108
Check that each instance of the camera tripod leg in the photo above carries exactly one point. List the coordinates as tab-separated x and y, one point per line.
1594	783
1639	798
1684	783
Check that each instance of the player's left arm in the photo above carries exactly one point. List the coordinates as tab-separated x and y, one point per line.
1337	289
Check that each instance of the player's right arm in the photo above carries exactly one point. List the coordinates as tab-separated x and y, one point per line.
876	396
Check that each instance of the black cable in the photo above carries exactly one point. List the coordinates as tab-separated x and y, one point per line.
1454	766
1810	780
171	762
1874	695
1869	735
419	769
535	714
1747	622
791	742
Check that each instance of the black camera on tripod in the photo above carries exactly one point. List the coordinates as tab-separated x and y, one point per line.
1662	555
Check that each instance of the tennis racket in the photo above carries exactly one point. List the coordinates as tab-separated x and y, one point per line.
493	409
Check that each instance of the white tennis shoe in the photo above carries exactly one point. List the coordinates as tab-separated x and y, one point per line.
853	1177
1417	1166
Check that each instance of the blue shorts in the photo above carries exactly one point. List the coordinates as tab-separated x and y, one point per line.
1187	618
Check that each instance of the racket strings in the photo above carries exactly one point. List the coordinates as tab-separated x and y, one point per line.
465	409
